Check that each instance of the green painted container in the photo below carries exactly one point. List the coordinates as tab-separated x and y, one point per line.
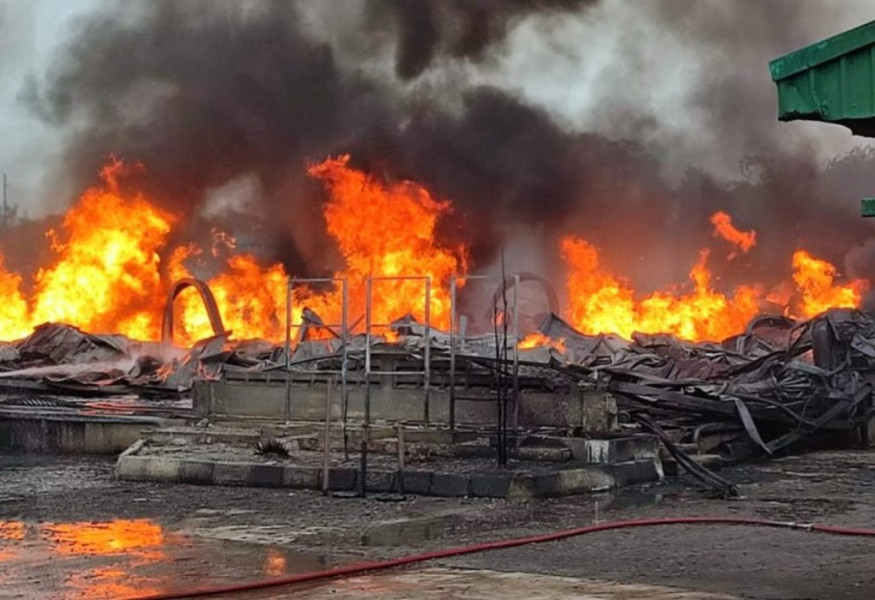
831	81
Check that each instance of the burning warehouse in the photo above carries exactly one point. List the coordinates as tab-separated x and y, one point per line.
282	203
439	283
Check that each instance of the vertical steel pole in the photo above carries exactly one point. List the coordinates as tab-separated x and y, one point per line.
289	284
400	428
516	351
452	417
427	376
326	450
344	384
363	474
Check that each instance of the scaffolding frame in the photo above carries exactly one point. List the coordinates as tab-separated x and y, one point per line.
369	372
456	337
293	282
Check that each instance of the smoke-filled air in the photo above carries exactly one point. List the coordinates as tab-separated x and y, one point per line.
242	143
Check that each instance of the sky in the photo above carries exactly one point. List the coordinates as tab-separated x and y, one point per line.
31	31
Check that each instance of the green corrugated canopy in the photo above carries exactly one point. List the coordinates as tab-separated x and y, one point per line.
831	81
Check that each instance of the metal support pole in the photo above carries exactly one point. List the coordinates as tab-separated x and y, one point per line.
400	434
301	326
288	350
363	474
453	353
516	352
326	450
344	366
427	355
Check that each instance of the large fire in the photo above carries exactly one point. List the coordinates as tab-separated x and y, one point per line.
385	231
112	271
601	302
815	279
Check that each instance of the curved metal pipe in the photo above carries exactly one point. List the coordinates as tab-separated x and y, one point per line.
552	298
209	304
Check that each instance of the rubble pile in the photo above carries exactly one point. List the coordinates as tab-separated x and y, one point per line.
762	391
59	358
779	381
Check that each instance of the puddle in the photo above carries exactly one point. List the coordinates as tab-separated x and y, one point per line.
128	557
624	501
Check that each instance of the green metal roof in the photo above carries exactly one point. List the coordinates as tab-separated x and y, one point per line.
832	81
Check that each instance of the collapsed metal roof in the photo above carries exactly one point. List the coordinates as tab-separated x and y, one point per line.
831	81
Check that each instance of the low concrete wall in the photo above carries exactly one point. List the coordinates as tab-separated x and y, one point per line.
71	434
588	409
422	481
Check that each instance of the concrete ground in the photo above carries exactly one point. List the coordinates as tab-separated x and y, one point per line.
68	529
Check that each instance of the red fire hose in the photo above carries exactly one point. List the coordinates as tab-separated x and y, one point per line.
359	568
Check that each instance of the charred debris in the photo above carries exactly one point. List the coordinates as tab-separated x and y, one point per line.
757	394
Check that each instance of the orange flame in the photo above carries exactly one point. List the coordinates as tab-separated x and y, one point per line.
384	231
14	311
602	303
539	340
251	299
723	227
108	275
815	279
113	269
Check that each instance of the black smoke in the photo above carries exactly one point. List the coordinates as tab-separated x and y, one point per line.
205	91
429	29
201	92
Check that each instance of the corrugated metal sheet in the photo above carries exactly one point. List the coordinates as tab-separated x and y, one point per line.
832	81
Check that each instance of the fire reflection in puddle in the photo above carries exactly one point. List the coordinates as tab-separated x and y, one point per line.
108	582
12	530
274	563
126	558
138	537
129	546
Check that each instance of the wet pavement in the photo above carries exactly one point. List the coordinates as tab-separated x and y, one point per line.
69	529
470	584
125	558
131	558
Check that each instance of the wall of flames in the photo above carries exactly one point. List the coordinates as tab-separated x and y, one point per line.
112	270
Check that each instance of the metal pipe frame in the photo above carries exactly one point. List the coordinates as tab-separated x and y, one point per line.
454	316
452	416
363	468
516	351
370	325
292	282
426	384
426	372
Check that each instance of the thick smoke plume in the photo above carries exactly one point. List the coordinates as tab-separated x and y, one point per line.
428	29
206	93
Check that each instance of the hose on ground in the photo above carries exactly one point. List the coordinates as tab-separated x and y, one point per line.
367	567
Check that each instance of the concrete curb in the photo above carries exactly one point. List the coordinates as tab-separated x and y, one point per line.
509	485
